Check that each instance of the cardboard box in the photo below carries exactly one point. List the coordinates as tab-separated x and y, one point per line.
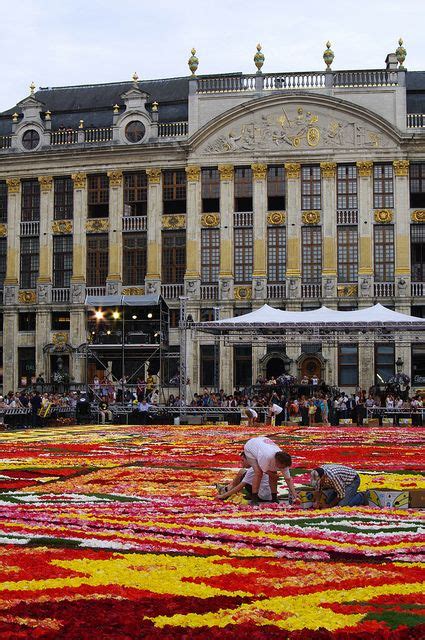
371	422
387	422
389	498
405	421
417	498
345	421
306	497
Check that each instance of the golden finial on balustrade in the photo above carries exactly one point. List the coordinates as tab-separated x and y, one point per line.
116	108
259	58
81	125
154	106
32	88
328	56
15	117
135	78
48	115
401	53
193	62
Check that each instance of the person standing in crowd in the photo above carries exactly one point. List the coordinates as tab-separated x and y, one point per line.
339	484
36	403
275	413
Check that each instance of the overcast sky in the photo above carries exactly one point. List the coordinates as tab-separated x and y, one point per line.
64	42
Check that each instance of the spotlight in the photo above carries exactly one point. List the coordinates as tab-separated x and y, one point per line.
134	317
115	315
149	316
108	332
99	314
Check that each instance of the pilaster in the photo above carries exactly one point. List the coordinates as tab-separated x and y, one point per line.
259	276
155	208
193	231
226	232
10	350
365	199
78	280
44	281
116	212
329	271
42	336
77	336
366	364
11	281
293	222
402	228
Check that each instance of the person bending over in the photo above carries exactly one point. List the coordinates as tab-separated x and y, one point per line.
339	484
243	480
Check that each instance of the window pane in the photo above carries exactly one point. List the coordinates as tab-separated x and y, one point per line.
276	254
173	256
348	364
62	261
29	262
347	186
310	187
311	255
243	255
210	255
63	202
384	253
347	254
383	194
417	248
30	200
134	258
97	260
135	194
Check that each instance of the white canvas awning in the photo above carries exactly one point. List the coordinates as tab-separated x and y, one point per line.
147	300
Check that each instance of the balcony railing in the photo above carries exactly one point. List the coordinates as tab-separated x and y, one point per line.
416	120
209	292
311	290
303	80
172	129
365	78
30	228
60	294
172	291
243	219
5	142
418	288
384	289
96	291
63	137
134	223
226	83
347	216
100	134
276	291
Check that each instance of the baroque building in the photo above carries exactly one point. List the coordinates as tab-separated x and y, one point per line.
296	189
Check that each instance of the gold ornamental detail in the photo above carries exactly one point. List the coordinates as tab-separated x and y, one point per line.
61	227
226	171
210	220
401	168
418	215
243	293
97	225
293	170
347	290
133	291
259	171
276	217
115	178
3	230
46	183
60	338
154	176
328	169
311	217
13	185
174	222
364	168
384	216
193	173
27	297
79	180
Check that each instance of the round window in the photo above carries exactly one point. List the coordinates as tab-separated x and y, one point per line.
135	131
30	139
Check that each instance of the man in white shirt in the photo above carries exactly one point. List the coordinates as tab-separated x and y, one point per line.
276	412
244	479
264	456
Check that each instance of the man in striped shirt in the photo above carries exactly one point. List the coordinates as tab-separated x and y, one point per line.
340	485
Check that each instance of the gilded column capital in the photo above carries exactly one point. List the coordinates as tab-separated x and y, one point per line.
259	171
46	183
80	180
401	168
154	175
115	178
364	168
328	169
293	170
226	171
193	173
13	185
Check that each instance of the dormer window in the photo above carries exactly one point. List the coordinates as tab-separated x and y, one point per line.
135	131
30	139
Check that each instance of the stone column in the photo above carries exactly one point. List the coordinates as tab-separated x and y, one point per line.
42	337
192	278
44	280
77	336
329	229
10	350
259	275
293	251
226	356
78	279
154	221
226	228
365	285
11	281
402	236
366	363
116	212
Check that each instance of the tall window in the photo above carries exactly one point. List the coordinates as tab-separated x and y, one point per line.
63	202
134	258
29	262
209	359
3	260
384	362
30	203
210	190
243	255
276	254
276	189
98	195
418	364
3	201
174	191
173	256
417	184
348	365
311	187
135	194
311	254
383	188
347	186
62	261
347	254
417	240
97	260
243	189
384	253
242	366
210	255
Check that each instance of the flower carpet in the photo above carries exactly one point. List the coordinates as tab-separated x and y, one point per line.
115	533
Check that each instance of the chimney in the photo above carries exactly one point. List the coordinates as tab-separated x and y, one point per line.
391	62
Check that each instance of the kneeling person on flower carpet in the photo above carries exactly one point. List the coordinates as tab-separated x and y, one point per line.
339	485
264	456
243	480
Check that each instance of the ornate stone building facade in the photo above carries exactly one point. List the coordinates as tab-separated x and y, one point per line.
296	189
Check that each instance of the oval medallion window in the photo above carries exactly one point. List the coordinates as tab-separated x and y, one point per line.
30	139
135	131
